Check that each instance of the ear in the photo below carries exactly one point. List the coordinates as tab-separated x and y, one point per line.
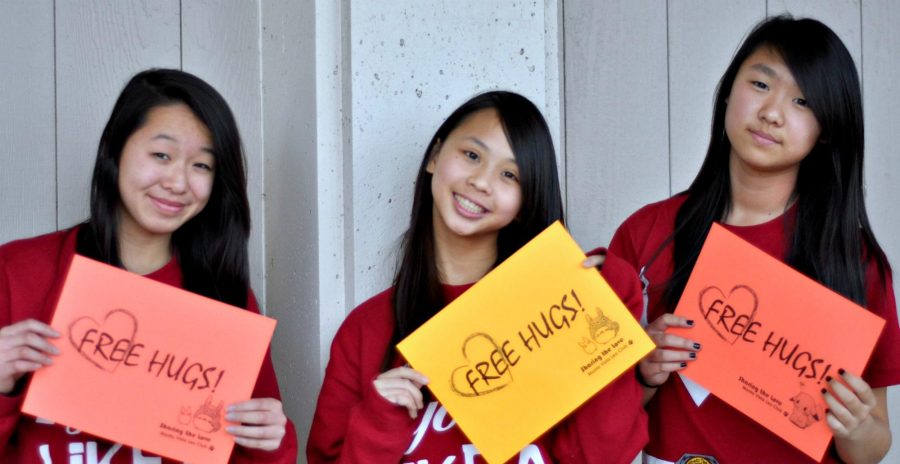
432	157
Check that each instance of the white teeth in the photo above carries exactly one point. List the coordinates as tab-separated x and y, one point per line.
468	205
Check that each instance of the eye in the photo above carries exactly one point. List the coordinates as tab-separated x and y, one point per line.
160	156
471	155
760	85
801	101
203	166
510	175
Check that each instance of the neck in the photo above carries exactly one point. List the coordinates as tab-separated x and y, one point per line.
143	253
463	260
758	197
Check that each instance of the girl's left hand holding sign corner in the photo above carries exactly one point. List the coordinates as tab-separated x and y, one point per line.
24	348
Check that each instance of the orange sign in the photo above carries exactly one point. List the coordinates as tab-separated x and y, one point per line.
770	337
148	365
526	345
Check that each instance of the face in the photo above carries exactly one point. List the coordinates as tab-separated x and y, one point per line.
767	120
165	173
475	181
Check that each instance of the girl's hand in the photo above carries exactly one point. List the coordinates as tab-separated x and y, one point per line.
858	417
402	386
662	361
849	411
24	348
594	261
262	423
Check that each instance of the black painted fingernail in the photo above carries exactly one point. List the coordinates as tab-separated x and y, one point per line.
696	346
828	378
690	322
841	371
692	355
824	391
683	364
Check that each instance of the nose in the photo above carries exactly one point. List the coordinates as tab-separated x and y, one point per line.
175	178
479	179
772	112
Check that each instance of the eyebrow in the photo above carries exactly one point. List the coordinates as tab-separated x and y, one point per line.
173	139
484	147
478	142
764	69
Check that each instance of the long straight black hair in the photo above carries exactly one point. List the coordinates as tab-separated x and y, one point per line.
417	287
211	247
830	240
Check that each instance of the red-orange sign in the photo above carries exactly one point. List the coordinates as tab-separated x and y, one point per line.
148	365
770	337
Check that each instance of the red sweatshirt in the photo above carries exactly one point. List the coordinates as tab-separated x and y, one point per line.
677	425
354	424
31	278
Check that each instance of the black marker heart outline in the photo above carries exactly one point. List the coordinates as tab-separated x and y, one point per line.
115	364
467	366
726	299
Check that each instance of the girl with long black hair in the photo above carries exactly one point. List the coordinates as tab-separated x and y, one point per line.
168	201
784	170
486	185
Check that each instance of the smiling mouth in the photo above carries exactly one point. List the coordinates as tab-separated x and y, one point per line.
468	206
763	137
167	206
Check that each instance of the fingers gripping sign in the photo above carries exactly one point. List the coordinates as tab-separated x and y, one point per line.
402	386
24	348
850	405
672	352
262	423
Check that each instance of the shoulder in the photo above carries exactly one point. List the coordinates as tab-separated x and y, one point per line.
646	229
41	251
655	214
374	315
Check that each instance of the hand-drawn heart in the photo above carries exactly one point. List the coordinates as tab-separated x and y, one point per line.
491	372
728	316
118	326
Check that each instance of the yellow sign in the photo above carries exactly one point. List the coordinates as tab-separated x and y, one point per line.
526	345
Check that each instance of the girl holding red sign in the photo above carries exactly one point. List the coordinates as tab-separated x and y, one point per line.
487	184
783	171
168	201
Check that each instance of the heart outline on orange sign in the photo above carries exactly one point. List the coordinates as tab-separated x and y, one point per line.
146	364
770	337
538	335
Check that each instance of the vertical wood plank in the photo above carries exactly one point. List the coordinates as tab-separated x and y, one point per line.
617	134
292	237
220	44
100	45
27	127
703	36
880	49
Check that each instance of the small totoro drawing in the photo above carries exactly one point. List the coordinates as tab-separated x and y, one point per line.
602	328
185	416
207	418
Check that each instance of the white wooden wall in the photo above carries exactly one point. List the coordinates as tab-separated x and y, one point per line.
336	99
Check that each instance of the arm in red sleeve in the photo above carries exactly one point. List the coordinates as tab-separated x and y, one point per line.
883	369
267	387
622	244
611	427
9	405
353	423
